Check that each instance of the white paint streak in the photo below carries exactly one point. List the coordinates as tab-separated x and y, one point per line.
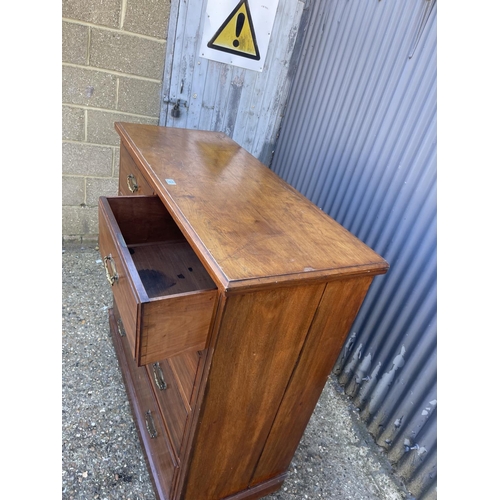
386	380
363	368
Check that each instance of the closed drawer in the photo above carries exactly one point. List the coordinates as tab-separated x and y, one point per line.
131	181
186	368
164	295
170	402
155	440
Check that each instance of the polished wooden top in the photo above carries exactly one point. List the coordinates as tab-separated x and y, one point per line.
247	225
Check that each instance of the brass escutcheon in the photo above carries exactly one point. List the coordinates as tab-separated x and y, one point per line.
121	329
150	425
159	378
132	183
113	275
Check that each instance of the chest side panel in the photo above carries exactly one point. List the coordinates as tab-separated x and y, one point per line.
337	310
260	338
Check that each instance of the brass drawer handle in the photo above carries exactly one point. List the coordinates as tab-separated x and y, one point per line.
150	425
113	275
121	329
132	183
159	378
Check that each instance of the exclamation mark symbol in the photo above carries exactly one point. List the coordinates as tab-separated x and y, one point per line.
240	21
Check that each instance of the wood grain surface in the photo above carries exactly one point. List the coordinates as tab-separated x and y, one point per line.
246	224
242	291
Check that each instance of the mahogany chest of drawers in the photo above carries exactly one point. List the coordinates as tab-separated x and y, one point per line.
233	295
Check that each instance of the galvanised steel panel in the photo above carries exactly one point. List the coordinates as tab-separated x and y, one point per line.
359	140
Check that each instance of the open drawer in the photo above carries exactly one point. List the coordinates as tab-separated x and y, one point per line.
165	297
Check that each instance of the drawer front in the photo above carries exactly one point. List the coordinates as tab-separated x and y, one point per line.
131	180
170	401
164	295
147	416
125	296
175	324
185	368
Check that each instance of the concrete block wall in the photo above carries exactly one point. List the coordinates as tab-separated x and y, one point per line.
113	55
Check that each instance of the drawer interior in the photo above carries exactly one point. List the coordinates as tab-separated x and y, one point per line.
165	262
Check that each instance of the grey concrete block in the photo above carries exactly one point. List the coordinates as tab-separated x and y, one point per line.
86	159
141	97
73	124
96	187
81	222
127	53
88	87
148	17
74	43
101	126
73	191
104	12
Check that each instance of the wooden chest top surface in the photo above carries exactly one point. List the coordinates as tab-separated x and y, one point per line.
249	226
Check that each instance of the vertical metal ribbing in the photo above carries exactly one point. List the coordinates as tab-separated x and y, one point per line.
359	140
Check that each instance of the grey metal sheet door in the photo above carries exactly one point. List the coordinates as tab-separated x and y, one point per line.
246	105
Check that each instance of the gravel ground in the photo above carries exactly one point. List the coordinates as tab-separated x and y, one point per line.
101	453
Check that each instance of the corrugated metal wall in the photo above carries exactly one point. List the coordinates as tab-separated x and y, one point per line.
359	140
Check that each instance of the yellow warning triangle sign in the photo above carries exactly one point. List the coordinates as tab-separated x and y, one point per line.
236	34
